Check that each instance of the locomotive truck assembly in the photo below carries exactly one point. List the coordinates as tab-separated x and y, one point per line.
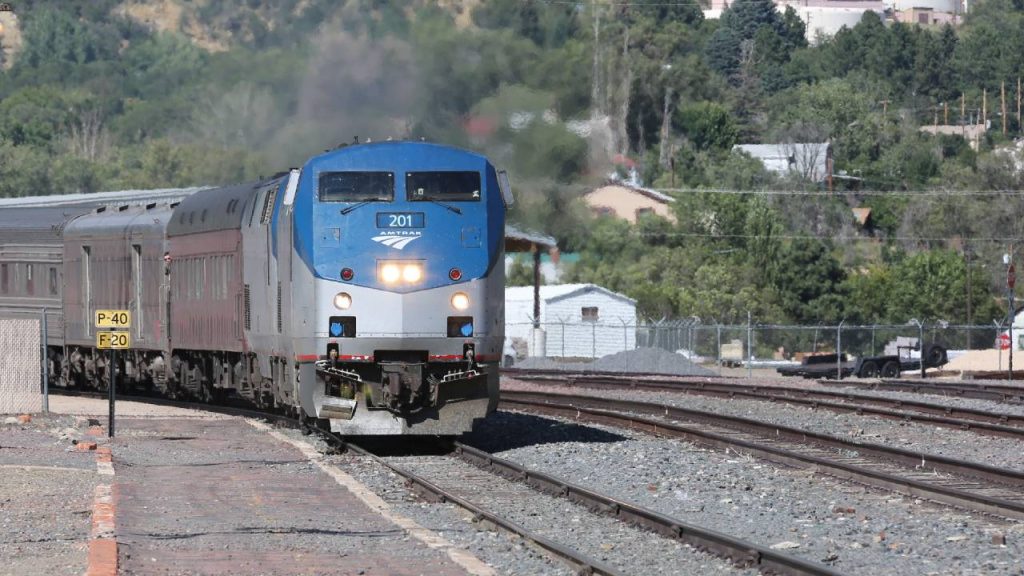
364	289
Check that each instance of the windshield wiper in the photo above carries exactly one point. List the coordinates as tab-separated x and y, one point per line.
348	209
446	206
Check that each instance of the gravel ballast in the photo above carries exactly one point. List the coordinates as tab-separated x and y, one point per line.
614	543
854	529
1003	452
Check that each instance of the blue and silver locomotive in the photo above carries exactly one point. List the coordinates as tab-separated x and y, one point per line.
364	289
401	274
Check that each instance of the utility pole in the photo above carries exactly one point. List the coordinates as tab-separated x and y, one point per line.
967	254
885	106
963	114
1002	103
1019	127
945	113
984	108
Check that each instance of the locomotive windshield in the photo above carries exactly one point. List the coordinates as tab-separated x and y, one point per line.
357	186
443	186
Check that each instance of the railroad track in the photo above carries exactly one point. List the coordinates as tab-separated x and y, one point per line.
981	421
441	480
975	389
960	483
978	390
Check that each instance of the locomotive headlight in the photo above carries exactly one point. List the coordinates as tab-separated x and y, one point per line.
390	273
412	273
342	301
460	301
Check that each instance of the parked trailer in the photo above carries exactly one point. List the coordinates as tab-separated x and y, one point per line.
886	366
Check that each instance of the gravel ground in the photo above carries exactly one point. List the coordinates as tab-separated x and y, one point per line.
926	438
651	360
46	498
506	553
627	549
855	529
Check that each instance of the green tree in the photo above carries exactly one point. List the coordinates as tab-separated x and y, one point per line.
707	125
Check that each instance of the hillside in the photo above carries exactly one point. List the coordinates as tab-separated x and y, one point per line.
117	94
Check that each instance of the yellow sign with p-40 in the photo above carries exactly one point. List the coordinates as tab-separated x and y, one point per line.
115	340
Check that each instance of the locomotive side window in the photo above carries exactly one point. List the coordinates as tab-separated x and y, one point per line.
357	186
443	186
268	206
5	279
53	281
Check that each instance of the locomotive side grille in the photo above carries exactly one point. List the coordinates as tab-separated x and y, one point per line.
246	303
278	307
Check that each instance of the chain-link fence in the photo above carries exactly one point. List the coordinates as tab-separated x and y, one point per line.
20	368
743	344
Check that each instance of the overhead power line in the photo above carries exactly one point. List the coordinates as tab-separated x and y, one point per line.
825	194
837	239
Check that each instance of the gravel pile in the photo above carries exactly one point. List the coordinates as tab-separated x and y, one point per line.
649	360
854	529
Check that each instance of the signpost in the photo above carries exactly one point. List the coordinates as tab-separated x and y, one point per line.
116	337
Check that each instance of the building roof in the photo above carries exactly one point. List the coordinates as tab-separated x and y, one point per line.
119	197
551	293
517	240
652	194
807	158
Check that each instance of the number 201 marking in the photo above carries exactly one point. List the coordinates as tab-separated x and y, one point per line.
401	220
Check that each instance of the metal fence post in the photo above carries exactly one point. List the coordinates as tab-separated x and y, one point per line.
750	347
718	350
45	369
839	350
593	340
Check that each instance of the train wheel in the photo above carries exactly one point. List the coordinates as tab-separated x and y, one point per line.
891	369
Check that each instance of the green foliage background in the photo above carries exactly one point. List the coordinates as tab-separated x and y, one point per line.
96	99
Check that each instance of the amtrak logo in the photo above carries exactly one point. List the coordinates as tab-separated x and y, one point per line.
396	240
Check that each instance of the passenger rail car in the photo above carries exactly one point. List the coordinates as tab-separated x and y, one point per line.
364	289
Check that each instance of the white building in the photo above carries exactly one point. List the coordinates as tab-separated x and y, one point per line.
577	321
809	160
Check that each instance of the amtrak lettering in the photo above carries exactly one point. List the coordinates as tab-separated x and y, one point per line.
397	239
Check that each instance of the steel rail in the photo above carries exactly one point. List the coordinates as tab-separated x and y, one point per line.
741	552
611	412
993	423
979	391
430	491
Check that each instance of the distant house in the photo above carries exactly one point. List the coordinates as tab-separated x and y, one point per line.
927	12
821	17
970	132
629	202
810	160
579	320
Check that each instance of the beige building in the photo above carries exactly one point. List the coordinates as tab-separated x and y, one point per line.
629	202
